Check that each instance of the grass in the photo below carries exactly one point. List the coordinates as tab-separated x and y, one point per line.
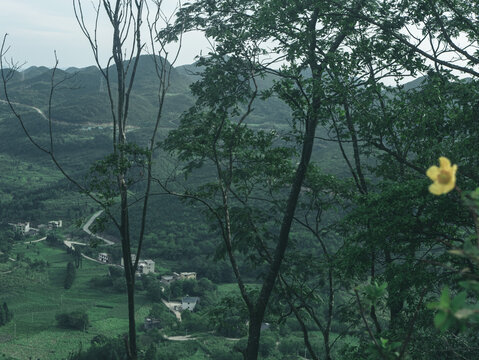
232	288
36	297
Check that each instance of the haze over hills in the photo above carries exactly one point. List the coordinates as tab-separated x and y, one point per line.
82	124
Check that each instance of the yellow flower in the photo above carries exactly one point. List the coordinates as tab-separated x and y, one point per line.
444	177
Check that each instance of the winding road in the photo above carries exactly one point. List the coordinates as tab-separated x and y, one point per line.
86	228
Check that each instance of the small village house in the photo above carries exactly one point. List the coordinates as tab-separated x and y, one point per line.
104	257
54	224
22	228
152	323
167	279
187	276
189	302
146	266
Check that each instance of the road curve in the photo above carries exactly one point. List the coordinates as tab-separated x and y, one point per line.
86	228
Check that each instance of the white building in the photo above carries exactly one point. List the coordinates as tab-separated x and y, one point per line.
167	279
189	302
104	257
55	224
146	266
187	275
22	228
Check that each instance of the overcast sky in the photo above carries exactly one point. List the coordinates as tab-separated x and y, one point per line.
38	27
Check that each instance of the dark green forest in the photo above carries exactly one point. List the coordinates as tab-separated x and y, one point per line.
293	168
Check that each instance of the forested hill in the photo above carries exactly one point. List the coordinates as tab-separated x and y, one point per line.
31	188
81	97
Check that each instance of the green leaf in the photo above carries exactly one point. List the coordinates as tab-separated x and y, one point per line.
384	342
445	299
459	301
440	320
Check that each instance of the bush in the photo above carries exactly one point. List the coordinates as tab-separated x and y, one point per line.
99	339
153	288
116	272
119	284
101	282
160	311
267	345
291	346
194	322
53	240
108	349
77	320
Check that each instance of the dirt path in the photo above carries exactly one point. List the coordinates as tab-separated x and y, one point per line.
171	306
180	338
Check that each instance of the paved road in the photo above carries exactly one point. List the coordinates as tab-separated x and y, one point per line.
35	241
70	244
86	228
40	112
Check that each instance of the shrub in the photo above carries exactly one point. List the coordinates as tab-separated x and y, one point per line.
267	345
109	349
119	284
101	282
116	272
77	320
291	346
153	289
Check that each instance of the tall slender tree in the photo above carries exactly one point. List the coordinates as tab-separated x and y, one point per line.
134	23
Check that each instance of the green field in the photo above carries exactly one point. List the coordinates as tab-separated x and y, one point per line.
36	297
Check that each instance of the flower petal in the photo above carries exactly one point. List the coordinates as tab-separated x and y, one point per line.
444	163
453	170
448	187
433	172
436	188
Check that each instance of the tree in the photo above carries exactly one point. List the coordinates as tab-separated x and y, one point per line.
77	320
129	167
70	275
77	255
309	39
448	32
5	314
333	62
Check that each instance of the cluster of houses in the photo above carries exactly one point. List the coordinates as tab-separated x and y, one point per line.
144	266
25	228
168	279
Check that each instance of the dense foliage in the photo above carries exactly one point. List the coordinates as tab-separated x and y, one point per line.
297	162
77	320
